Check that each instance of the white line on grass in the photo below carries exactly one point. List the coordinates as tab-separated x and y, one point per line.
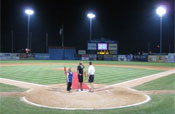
126	83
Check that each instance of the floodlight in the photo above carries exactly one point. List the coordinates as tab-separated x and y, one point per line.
161	11
29	11
91	15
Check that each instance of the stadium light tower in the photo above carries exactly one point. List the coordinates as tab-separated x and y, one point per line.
90	16
161	10
29	12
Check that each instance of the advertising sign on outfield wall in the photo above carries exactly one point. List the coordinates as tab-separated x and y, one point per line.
92	46
160	59
140	58
81	52
84	57
122	58
156	58
151	58
125	57
170	59
112	47
92	57
9	56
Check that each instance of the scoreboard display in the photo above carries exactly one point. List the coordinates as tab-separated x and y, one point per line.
103	48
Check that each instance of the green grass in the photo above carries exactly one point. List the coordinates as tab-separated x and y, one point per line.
44	74
95	62
10	88
160	104
165	83
111	75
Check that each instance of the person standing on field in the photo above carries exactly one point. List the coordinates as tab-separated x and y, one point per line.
80	74
91	72
69	79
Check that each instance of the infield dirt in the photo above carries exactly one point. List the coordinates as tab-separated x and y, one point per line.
56	96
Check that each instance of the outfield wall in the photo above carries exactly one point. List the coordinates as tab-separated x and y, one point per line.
140	58
125	57
42	56
170	58
9	56
99	57
70	54
62	54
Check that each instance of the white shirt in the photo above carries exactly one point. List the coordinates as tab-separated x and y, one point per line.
91	70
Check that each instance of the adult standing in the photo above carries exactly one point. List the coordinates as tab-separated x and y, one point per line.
91	72
80	74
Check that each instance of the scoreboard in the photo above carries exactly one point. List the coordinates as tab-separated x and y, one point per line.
102	48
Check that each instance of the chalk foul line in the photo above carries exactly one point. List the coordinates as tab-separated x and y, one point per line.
140	81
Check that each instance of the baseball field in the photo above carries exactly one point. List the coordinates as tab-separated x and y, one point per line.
39	87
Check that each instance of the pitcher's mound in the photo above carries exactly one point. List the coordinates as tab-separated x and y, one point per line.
56	96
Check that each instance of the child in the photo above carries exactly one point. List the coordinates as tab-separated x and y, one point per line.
69	79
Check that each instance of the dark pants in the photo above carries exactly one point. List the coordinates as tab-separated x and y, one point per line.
91	78
69	84
80	78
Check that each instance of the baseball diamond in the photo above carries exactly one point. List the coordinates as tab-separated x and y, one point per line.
87	57
51	93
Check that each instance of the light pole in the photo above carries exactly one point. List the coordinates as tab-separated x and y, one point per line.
28	12
90	16
161	10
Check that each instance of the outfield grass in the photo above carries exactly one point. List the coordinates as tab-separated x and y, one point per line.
165	83
95	62
44	74
10	88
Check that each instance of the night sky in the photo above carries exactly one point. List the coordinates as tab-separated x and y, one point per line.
133	23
